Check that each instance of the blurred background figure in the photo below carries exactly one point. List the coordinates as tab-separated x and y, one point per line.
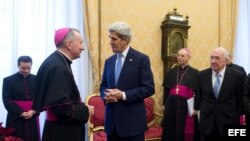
18	93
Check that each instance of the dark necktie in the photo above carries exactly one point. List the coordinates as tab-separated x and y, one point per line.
217	85
118	67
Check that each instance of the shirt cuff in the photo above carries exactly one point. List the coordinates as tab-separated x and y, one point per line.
124	96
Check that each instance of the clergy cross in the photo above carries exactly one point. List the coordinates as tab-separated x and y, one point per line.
177	90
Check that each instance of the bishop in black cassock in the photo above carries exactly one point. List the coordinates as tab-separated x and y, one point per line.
179	86
57	93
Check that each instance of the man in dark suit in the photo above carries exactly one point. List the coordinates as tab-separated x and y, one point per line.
246	99
230	63
127	79
220	93
244	118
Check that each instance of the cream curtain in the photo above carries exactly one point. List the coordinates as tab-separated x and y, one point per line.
227	23
242	43
93	32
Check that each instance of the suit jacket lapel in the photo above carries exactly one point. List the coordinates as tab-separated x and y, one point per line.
226	80
210	84
112	75
127	65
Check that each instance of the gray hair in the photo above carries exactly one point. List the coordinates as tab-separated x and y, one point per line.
225	52
122	29
228	54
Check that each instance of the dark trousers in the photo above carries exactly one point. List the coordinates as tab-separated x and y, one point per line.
115	137
213	136
248	120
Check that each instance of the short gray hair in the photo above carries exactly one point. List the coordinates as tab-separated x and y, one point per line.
122	29
228	54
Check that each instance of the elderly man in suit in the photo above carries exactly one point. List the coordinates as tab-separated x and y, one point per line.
219	96
127	79
246	100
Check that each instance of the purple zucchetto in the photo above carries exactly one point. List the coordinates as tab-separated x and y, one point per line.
60	35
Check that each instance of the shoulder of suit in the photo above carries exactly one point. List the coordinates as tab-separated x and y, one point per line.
235	71
11	76
111	57
237	66
193	69
205	71
137	53
32	75
172	70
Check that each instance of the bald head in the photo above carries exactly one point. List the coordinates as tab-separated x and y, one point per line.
218	59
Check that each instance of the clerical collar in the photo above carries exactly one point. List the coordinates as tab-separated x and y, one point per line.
23	75
69	61
184	67
64	55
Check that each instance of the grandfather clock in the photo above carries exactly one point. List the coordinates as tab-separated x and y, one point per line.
174	37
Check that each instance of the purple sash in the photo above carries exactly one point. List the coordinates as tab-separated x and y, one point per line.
50	115
182	90
243	120
187	93
24	105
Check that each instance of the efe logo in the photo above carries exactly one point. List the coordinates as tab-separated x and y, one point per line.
237	132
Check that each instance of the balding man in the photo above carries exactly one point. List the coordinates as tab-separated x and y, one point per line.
179	86
220	90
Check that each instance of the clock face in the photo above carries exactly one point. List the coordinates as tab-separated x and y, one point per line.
176	42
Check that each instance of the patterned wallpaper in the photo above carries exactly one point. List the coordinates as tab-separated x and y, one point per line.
211	21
